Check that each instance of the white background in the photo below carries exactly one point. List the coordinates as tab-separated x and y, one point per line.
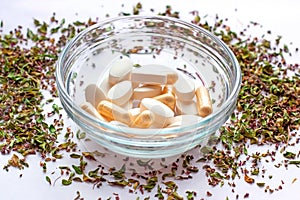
281	17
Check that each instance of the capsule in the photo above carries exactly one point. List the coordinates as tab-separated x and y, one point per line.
89	108
144	120
204	105
168	99
111	112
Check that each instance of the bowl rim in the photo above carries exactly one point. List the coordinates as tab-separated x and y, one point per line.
228	102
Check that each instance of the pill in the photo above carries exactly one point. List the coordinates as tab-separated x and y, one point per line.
146	91
104	85
161	111
128	105
94	94
89	108
183	120
186	107
118	123
167	89
120	93
167	98
120	70
111	112
144	120
204	105
133	113
148	76
184	89
171	74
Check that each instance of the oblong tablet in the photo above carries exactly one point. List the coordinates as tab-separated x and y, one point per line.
120	70
120	93
146	91
183	120
94	94
161	111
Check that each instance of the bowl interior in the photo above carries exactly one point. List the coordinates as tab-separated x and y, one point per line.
192	52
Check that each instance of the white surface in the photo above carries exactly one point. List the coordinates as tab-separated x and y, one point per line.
281	17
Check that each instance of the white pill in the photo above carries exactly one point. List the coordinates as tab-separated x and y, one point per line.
161	111
94	94
183	120
89	108
146	91
133	113
118	123
171	74
104	85
184	89
128	105
120	70
120	93
148	75
186	107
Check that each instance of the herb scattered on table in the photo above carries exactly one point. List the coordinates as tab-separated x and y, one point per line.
267	112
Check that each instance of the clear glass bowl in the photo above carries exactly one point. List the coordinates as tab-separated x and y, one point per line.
184	47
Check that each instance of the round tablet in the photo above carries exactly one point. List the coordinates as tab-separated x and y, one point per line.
186	107
184	89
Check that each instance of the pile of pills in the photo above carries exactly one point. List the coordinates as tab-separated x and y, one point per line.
149	96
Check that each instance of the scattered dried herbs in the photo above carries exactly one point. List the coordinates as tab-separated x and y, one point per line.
267	112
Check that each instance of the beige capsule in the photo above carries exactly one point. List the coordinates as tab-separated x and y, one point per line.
204	105
168	99
144	120
89	108
111	112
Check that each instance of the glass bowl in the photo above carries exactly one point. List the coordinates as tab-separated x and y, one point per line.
193	52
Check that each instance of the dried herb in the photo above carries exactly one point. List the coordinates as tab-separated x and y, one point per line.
267	110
